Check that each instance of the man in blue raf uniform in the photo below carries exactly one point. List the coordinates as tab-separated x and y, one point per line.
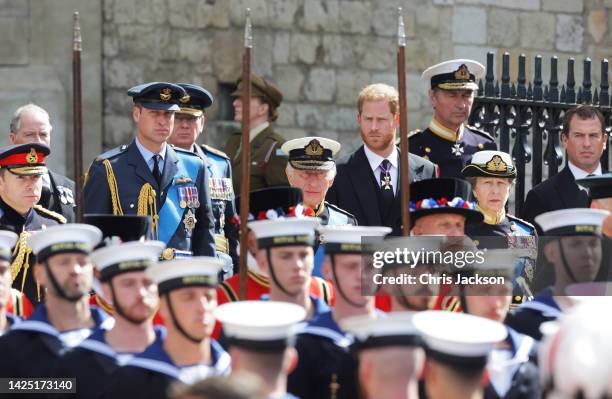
21	170
149	177
188	353
64	269
189	124
447	141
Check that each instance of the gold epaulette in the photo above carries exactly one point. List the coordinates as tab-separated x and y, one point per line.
21	258
53	215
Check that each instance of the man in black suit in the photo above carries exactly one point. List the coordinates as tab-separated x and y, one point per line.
584	139
31	124
367	181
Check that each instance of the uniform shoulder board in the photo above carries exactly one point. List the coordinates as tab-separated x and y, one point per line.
480	132
521	221
214	151
183	151
112	153
340	210
414	132
50	214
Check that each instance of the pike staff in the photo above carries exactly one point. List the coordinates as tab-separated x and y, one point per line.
77	116
246	150
403	111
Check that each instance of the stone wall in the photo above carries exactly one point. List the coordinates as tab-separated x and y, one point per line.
320	52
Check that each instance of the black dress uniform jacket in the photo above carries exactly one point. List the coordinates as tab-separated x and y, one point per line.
131	173
442	152
60	197
557	192
528	317
37	218
356	189
32	348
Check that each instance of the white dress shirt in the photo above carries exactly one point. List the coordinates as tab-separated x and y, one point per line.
581	174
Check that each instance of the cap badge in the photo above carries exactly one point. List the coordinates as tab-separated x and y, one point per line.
32	156
497	164
185	99
462	73
314	148
166	94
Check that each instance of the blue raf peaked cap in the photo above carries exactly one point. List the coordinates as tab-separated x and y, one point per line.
158	95
196	100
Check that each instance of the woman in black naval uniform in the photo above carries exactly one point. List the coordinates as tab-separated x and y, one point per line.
492	175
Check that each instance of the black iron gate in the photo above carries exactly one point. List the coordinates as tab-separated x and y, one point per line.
526	117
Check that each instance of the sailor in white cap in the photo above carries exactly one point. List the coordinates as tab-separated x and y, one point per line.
312	168
133	295
457	346
7	242
390	354
326	366
512	367
572	252
285	251
187	290
448	141
576	357
261	336
63	268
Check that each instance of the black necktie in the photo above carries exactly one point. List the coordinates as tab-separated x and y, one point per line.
156	172
386	187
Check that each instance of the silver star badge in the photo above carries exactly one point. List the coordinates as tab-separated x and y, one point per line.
457	149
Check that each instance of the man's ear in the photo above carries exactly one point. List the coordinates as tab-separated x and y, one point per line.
11	138
136	113
326	269
262	260
291	360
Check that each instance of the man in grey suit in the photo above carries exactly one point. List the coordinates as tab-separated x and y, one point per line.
368	180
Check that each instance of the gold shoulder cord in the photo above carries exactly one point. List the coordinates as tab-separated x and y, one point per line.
54	215
21	258
112	186
147	205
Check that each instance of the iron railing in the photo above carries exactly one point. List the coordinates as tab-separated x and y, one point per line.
526	117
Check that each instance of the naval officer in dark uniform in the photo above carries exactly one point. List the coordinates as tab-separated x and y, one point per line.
189	124
492	175
149	177
21	169
64	269
312	169
448	141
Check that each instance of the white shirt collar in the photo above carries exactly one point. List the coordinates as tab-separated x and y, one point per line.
581	174
257	129
375	159
146	154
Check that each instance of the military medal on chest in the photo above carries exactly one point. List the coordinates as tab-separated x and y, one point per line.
457	149
189	221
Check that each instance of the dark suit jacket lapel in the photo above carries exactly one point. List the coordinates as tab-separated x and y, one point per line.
360	174
139	164
569	193
170	167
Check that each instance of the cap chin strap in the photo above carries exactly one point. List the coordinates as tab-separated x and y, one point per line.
178	325
339	285
119	309
273	275
57	287
565	265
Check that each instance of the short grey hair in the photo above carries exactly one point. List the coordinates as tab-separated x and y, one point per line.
329	174
30	107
